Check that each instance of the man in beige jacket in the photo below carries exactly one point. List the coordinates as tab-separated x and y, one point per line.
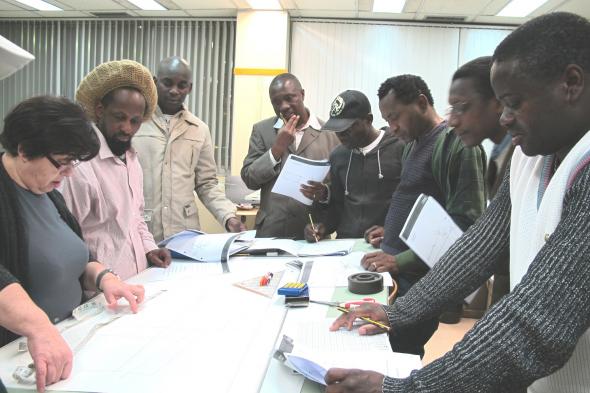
176	154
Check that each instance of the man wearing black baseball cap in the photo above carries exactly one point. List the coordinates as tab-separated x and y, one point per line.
365	170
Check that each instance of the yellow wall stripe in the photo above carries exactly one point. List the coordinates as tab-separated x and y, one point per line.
259	71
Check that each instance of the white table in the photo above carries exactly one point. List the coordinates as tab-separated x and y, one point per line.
199	333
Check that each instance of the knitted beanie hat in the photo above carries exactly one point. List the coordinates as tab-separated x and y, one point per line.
111	75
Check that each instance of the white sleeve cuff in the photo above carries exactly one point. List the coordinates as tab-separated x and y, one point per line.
272	158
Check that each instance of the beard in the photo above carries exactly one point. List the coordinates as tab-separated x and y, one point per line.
117	146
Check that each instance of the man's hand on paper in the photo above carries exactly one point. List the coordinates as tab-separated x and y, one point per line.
316	191
380	262
114	289
372	311
374	235
233	224
310	234
51	355
160	257
285	137
342	380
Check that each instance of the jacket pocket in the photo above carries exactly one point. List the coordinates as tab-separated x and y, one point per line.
191	216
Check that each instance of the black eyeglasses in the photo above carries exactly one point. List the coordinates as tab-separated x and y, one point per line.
61	166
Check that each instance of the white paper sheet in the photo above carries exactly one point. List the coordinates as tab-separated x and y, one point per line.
335	273
297	171
429	231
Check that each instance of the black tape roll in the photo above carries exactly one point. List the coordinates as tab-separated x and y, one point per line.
365	283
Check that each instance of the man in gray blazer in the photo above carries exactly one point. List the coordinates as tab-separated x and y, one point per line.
294	130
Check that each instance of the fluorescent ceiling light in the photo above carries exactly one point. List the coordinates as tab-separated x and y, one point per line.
520	8
391	6
148	5
40	5
264	4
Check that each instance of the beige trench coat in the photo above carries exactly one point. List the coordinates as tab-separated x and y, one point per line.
173	166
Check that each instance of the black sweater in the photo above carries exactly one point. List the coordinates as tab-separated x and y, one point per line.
361	199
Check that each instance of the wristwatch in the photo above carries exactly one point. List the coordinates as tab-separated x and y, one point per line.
101	275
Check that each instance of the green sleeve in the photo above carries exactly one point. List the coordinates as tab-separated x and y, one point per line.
460	172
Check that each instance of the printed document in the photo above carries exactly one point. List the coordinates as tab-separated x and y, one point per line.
429	231
298	171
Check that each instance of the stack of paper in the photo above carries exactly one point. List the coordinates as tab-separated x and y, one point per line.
297	171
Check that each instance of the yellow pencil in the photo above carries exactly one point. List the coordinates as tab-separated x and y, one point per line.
368	320
313	228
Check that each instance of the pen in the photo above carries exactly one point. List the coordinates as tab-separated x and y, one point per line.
313	228
369	320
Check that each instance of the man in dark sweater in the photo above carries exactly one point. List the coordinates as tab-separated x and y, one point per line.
435	163
538	334
364	171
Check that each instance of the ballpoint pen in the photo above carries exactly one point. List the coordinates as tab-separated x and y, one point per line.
368	320
313	228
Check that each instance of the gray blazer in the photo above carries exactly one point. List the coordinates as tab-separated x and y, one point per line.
281	216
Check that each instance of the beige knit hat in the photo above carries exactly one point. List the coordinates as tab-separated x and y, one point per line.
111	75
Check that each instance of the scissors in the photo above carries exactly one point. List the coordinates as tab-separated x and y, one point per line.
347	305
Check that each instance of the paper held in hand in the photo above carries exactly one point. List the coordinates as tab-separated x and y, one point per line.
429	231
297	171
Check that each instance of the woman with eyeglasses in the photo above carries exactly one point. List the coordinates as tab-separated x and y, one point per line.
45	267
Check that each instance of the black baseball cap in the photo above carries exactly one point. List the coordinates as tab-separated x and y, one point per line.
347	107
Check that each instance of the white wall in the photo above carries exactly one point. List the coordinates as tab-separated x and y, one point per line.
332	56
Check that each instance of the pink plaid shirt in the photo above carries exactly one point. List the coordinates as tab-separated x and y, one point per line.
106	196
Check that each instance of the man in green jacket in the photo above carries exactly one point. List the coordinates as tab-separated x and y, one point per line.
435	163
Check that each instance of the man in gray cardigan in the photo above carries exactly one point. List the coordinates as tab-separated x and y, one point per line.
537	335
293	130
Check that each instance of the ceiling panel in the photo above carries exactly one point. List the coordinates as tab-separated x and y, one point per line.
412	5
204	4
326	14
382	15
581	7
337	5
163	14
494	7
92	5
5	6
452	7
19	14
228	12
499	20
474	11
64	14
